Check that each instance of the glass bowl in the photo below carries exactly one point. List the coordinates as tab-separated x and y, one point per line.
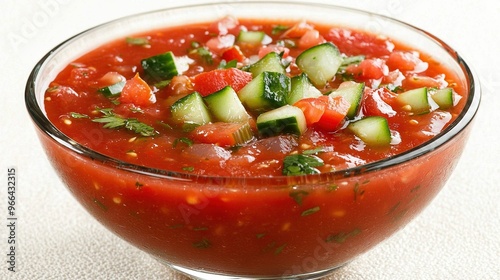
230	227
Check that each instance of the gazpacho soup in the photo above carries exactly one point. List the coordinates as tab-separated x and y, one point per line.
253	99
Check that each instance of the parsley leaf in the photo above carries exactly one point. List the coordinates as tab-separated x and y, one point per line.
301	164
78	115
113	121
203	52
228	64
278	29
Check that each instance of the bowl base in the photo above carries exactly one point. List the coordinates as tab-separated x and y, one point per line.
206	275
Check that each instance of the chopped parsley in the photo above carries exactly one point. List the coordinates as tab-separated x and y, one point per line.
277	29
100	204
310	211
301	164
228	64
203	52
188	168
342	236
184	140
78	115
202	244
113	121
298	196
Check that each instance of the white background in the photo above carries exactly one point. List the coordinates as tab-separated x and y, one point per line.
456	237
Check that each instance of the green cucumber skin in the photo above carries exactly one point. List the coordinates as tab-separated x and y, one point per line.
284	120
320	63
160	67
271	62
267	91
373	130
113	90
190	109
301	87
225	106
353	93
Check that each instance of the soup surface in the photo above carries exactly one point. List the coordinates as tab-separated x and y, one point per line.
252	98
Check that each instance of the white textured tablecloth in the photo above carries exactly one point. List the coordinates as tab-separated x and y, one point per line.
456	237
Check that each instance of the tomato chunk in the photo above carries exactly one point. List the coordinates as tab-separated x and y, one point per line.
212	81
137	91
324	112
233	53
219	133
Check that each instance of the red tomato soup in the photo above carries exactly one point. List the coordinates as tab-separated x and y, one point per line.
251	100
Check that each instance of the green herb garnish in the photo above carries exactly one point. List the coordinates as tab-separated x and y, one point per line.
100	204
188	168
301	164
202	51
228	64
279	249
183	140
342	236
278	29
310	211
298	196
113	121
78	115
202	244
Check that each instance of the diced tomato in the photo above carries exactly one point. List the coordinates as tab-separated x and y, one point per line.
233	53
209	82
369	69
406	61
224	26
274	48
357	43
310	39
219	44
137	91
378	102
313	109
297	30
219	133
334	114
80	76
324	112
416	81
110	78
395	78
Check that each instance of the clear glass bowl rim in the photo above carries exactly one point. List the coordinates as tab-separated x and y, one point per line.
455	128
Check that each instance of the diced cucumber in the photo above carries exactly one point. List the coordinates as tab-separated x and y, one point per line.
271	62
113	90
267	91
373	130
160	67
225	106
251	37
301	87
443	97
320	63
243	134
353	93
190	109
283	120
415	101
